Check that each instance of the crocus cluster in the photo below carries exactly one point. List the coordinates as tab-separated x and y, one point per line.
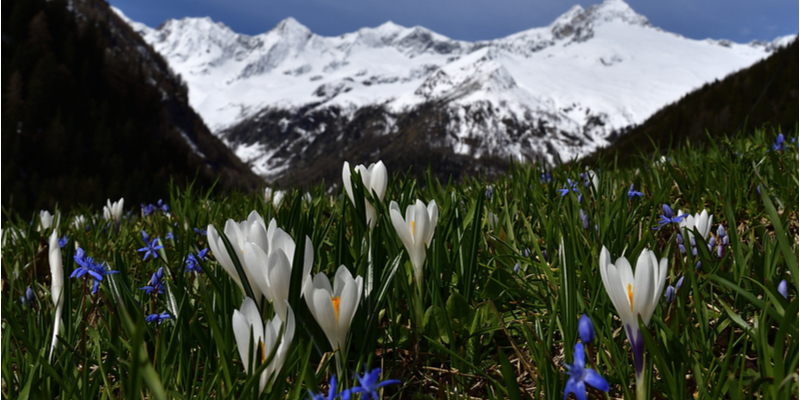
113	211
274	196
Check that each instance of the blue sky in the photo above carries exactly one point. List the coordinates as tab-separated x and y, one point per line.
740	21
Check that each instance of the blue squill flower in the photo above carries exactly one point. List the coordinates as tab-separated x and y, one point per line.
27	299
669	294
162	206
778	146
586	329
570	186
331	392
63	241
148	209
201	232
579	376
633	193
368	384
170	235
157	317
150	247
155	283
783	289
516	267
546	177
87	266
489	192
668	217
584	219
193	262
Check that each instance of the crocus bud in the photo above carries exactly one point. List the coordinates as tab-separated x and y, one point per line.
783	289
586	329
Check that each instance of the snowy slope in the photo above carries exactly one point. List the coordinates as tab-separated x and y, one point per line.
555	91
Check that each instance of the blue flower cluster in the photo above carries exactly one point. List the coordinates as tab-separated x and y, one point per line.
148	209
368	385
87	266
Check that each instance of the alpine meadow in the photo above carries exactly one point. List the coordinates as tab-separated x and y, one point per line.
395	287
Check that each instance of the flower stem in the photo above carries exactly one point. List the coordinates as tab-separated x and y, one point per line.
641	386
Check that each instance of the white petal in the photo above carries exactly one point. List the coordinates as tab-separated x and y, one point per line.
308	263
643	286
282	240
433	214
348	304
241	332
348	186
619	296
400	225
326	316
255	263
421	220
279	279
342	278
380	179
56	270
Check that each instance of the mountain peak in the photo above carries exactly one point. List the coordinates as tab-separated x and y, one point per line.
611	10
291	27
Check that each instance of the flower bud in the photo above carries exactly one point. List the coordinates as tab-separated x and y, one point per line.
586	329
783	289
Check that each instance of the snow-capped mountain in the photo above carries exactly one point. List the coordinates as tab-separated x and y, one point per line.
282	98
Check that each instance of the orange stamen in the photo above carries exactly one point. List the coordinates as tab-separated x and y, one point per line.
335	300
412	228
263	352
630	295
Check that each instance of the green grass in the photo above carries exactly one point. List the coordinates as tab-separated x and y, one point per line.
477	330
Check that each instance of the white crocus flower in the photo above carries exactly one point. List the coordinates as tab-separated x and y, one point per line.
375	179
271	269
702	221
334	308
46	220
634	295
56	284
113	211
415	231
265	337
79	222
276	196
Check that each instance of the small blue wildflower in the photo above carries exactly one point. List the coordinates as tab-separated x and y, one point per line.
681	246
200	232
783	289
63	241
27	299
669	294
546	177
584	219
193	262
586	329
580	198
778	146
516	267
170	235
711	243
150	247
668	217
157	317
331	392
489	192
758	189
155	283
579	376
633	193
544	254
680	283
87	266
526	252
162	206
148	209
570	186
369	385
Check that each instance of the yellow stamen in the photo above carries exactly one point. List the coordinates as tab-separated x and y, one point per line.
263	352
412	228
335	300
630	295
